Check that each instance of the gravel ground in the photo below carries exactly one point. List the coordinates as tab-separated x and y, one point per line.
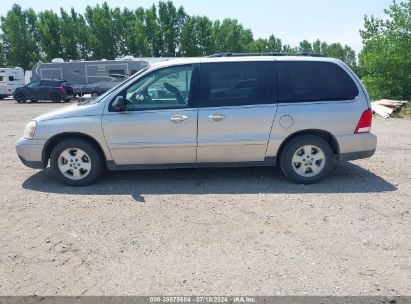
207	231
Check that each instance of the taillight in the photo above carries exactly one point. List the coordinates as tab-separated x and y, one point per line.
364	125
61	89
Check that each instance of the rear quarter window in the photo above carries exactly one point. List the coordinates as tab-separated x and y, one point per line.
303	81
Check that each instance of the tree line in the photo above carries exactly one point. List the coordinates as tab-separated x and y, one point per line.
102	32
163	30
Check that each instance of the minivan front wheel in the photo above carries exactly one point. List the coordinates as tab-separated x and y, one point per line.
76	162
307	159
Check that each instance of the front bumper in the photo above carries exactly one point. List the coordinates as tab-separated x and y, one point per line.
30	152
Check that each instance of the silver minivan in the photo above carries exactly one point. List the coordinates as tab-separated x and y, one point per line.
303	113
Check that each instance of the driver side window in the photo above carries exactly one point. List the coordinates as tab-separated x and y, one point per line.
167	88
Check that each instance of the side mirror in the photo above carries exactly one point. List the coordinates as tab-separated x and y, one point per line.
119	104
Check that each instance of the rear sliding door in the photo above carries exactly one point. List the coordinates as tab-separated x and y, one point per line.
237	109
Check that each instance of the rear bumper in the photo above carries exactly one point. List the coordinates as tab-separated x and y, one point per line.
357	146
67	96
30	152
356	155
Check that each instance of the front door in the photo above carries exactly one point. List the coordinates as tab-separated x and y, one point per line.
159	125
33	90
237	110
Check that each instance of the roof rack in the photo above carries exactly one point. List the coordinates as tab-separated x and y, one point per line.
267	54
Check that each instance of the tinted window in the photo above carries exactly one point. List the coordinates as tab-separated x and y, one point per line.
11	78
313	81
167	88
46	83
237	83
34	84
1	78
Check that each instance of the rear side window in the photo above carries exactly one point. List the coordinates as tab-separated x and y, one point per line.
63	83
300	81
237	83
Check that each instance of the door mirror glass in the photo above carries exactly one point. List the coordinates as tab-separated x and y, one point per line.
119	104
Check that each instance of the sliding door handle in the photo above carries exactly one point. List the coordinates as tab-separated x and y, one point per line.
216	117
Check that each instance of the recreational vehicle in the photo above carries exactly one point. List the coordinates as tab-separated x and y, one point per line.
10	79
89	77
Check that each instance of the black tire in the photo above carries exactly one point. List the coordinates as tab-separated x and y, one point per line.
33	100
55	98
96	160
295	145
67	99
20	98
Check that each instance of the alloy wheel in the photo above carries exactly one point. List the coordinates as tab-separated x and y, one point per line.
74	163
308	161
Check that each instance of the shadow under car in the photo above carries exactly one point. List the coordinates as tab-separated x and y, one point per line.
345	178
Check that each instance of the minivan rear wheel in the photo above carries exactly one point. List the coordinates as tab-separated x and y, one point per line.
76	162
307	159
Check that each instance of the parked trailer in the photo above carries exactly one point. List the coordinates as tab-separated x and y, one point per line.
89	77
10	79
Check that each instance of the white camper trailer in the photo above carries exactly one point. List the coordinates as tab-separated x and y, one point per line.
10	79
88	77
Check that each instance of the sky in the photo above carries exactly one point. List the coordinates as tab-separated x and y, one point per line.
290	20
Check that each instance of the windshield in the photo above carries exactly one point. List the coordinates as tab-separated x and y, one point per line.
102	96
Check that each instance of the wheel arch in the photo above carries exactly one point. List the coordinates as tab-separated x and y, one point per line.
327	136
54	93
53	141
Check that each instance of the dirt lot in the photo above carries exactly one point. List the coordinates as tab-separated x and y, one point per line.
207	231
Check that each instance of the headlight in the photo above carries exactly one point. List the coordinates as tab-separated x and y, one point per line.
29	130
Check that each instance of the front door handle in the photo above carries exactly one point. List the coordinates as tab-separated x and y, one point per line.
216	117
178	118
